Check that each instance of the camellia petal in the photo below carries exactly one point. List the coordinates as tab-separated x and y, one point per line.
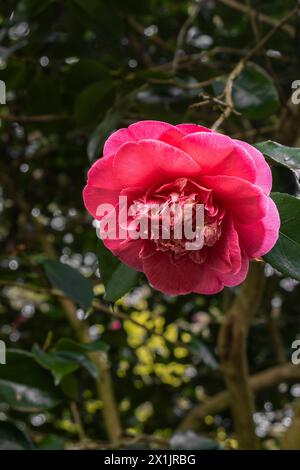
150	161
263	171
258	239
217	154
134	133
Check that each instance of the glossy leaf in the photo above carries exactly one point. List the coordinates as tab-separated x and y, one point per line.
65	344
12	438
58	366
25	385
70	281
78	353
88	103
118	278
277	153
285	254
254	94
110	122
284	180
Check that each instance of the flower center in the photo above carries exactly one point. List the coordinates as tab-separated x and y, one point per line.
172	208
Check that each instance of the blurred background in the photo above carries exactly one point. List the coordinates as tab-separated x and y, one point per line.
75	71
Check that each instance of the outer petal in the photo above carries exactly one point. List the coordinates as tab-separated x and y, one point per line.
94	197
257	239
191	128
149	129
172	136
128	251
101	174
218	155
263	171
182	277
245	201
225	255
116	139
135	132
150	162
231	280
175	134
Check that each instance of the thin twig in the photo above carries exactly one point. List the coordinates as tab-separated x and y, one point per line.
35	118
161	442
78	421
240	66
96	304
259	381
141	30
195	9
261	16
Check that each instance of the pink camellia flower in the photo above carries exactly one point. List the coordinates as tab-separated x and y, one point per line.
155	161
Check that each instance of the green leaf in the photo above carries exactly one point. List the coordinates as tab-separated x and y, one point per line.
67	356
284	180
43	95
70	281
285	255
253	93
26	386
117	278
199	348
85	72
31	8
65	344
110	122
70	386
12	438
123	280
52	442
58	366
88	103
107	262
78	353
286	156
103	15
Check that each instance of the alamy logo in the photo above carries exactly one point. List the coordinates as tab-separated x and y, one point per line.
2	92
296	93
166	223
2	352
296	353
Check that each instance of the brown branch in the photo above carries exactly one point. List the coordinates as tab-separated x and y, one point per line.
268	312
291	439
36	118
78	421
97	306
260	16
141	30
182	33
260	381
104	381
232	344
159	442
